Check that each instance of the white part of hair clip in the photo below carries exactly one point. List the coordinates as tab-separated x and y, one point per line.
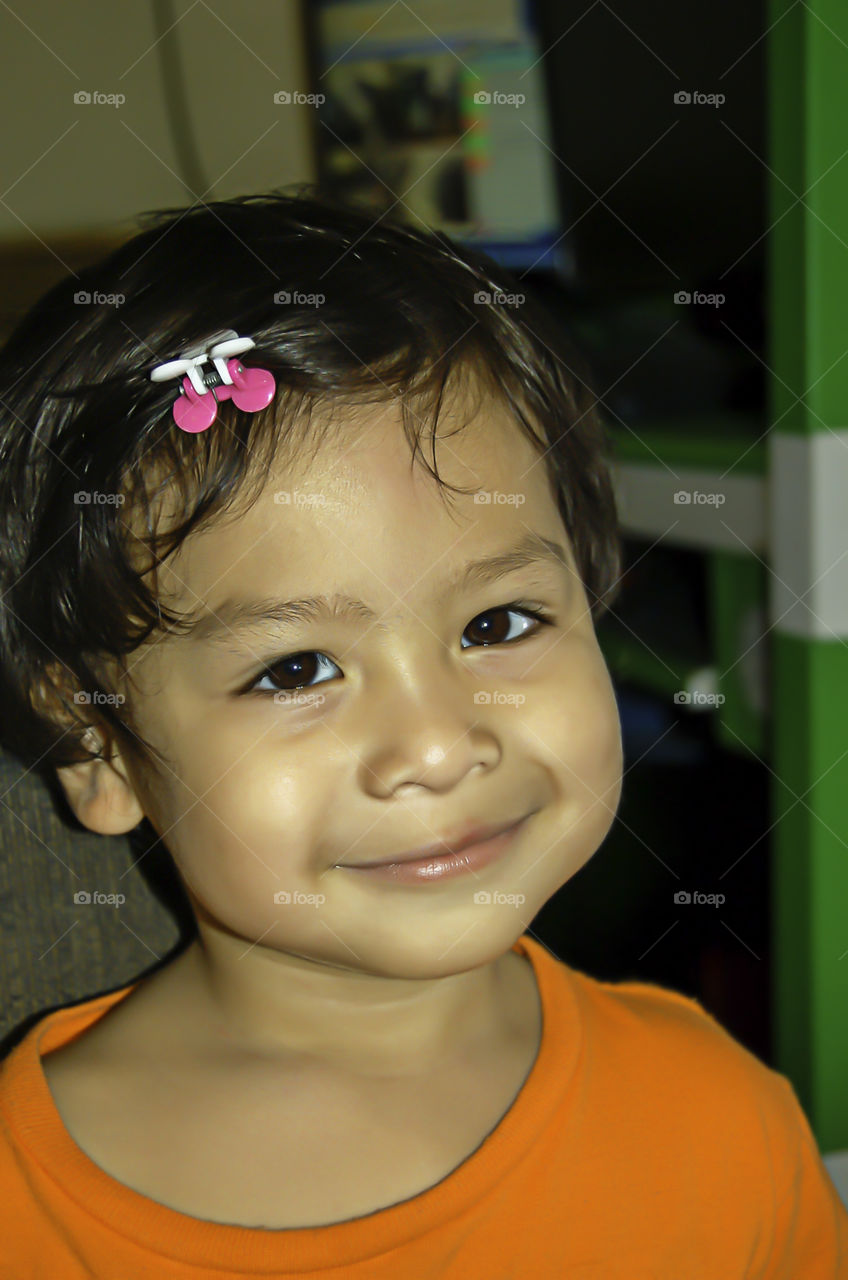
219	349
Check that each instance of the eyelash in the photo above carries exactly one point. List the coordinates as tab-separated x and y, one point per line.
531	608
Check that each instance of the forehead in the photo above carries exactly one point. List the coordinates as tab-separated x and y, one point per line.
360	512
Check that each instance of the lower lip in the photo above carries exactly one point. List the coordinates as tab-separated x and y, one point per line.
424	870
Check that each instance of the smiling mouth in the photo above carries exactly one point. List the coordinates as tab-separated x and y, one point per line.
473	836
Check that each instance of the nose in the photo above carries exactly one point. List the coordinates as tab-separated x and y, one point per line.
430	739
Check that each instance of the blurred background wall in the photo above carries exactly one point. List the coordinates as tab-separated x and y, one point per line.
202	107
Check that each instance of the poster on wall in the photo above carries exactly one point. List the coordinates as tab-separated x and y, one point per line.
439	114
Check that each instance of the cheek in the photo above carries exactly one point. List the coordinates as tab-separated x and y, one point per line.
254	794
240	812
581	728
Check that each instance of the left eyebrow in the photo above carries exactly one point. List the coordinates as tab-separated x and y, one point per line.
233	616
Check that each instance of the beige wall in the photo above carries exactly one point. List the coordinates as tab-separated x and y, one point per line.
68	168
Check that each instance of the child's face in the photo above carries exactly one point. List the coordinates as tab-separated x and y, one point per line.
268	798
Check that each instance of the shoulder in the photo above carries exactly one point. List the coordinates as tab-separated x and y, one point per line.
644	1010
672	1069
667	1043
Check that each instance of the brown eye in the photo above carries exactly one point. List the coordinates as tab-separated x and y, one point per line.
292	673
497	632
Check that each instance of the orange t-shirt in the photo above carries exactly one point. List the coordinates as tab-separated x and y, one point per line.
645	1142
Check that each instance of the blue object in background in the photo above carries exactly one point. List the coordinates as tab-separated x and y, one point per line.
652	733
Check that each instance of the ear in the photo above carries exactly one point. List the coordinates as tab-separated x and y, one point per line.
100	792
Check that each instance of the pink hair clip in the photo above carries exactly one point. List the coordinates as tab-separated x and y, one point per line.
196	406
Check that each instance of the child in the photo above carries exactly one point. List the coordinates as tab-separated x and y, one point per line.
360	698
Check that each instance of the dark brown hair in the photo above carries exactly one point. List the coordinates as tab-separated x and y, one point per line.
402	311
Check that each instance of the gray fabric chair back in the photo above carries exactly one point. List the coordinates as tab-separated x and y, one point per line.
65	934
